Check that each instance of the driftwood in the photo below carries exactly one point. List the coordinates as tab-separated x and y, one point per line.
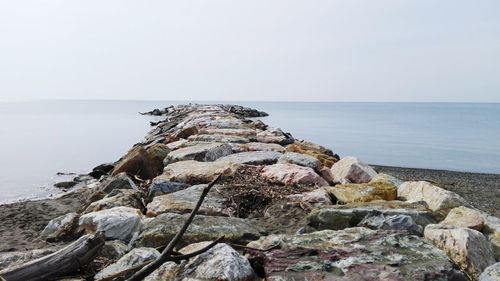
168	253
60	263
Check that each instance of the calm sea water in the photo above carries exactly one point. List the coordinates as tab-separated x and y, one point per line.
39	139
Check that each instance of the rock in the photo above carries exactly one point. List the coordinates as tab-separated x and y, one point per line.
352	170
274	135
352	254
257	146
10	259
161	186
318	196
65	184
136	162
185	200
376	189
344	216
116	223
177	144
101	170
464	217
491	273
186	132
219	263
324	155
467	248
492	230
439	200
291	174
326	174
113	250
119	181
135	257
61	227
161	229
252	158
243	133
219	138
205	152
301	160
194	172
394	222
117	198
243	111
157	153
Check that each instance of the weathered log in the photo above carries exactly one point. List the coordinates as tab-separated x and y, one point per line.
60	263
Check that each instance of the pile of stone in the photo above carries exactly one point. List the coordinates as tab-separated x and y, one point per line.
328	218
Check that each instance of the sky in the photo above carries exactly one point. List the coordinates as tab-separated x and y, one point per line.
259	50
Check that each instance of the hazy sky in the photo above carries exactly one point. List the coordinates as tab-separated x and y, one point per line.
349	50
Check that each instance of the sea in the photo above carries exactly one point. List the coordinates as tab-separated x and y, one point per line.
42	138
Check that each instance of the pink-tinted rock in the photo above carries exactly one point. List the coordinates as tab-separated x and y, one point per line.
352	170
290	174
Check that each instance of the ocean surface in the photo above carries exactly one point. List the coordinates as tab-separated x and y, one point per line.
39	139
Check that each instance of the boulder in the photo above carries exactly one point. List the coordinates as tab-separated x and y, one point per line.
274	135
119	181
291	174
393	222
439	200
218	138
318	196
219	263
61	227
185	200
193	172
101	170
464	217
177	144
324	155
376	189
351	254
252	158
117	198
301	160
352	170
161	186
113	250
136	162
491	273
135	257
157	153
205	152
326	174
467	248
258	146
349	215
161	229
116	223
491	229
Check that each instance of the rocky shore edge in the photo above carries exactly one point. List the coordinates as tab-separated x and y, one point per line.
287	209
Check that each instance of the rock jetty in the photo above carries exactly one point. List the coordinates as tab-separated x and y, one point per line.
286	209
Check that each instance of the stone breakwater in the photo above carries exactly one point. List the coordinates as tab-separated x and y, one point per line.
288	210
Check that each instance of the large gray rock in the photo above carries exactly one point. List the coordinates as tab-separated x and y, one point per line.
252	158
113	250
257	146
291	174
120	181
349	215
193	172
352	254
161	186
352	170
491	273
184	201
274	135
205	152
491	229
135	257
244	133
467	248
219	263
161	229
301	160
393	222
116	198
318	196
218	138
60	225
439	200
116	223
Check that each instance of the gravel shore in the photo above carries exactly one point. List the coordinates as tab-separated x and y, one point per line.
481	190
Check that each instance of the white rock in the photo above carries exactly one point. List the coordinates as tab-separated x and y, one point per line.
116	223
133	258
492	273
58	223
352	170
290	174
439	200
